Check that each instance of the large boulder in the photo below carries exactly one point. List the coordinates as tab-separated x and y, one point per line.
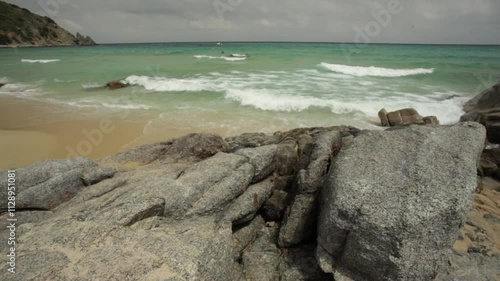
394	201
485	109
405	116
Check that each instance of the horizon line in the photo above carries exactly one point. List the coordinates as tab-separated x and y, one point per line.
304	42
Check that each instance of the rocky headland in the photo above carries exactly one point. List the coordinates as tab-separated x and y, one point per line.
21	28
332	203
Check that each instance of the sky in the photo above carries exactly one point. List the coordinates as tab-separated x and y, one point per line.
357	21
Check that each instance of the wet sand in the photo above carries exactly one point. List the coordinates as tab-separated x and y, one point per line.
31	131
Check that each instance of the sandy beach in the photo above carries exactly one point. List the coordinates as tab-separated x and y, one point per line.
25	139
33	130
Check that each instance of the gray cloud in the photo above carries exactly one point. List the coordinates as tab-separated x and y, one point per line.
419	21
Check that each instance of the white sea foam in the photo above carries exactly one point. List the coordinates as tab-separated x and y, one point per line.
375	71
272	100
163	84
302	90
447	111
95	103
276	101
21	90
40	61
220	58
4	80
91	86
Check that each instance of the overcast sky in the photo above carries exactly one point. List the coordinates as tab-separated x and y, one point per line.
381	21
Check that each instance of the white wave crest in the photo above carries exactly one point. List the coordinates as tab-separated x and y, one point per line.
272	100
275	101
39	61
447	111
375	71
163	84
220	58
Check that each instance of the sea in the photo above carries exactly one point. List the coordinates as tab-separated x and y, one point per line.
236	87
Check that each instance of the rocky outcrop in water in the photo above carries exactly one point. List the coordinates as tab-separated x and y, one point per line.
19	27
113	85
81	40
485	109
406	116
246	208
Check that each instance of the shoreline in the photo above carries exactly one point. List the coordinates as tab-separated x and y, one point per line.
25	140
61	131
253	188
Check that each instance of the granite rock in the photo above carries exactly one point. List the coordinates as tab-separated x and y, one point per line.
394	201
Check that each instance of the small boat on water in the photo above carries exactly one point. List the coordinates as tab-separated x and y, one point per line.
239	55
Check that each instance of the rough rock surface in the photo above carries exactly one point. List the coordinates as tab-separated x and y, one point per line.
406	116
431	120
199	207
81	40
485	109
49	183
300	217
490	163
165	211
394	201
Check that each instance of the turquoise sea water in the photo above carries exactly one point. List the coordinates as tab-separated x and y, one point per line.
195	86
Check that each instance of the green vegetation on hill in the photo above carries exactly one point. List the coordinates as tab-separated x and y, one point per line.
18	26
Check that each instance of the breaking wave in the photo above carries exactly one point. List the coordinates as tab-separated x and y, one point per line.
375	71
302	90
39	61
235	58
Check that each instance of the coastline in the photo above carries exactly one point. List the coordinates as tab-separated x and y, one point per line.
255	205
24	140
34	130
278	180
